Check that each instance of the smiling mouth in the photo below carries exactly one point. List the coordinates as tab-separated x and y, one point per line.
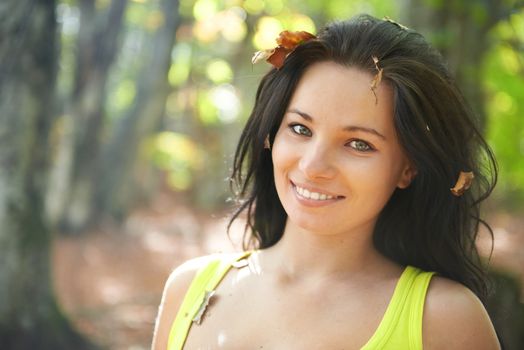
316	196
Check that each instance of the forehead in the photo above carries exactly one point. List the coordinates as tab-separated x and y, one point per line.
342	95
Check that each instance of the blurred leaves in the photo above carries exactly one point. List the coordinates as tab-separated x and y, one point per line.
176	154
504	83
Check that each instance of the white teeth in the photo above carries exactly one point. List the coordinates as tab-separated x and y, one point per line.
312	195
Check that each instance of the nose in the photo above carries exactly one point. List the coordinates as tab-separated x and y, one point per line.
316	162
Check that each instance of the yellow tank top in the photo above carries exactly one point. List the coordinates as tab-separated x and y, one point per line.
400	328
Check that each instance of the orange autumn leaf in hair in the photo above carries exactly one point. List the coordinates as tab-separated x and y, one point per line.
463	183
287	41
278	56
290	40
261	55
274	56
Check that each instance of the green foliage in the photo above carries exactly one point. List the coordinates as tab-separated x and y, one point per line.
207	112
177	155
181	66
123	96
504	83
137	14
219	71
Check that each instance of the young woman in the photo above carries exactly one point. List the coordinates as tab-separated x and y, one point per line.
363	234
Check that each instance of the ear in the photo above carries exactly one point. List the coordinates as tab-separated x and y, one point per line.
408	174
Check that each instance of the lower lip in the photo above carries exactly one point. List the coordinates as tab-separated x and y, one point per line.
311	202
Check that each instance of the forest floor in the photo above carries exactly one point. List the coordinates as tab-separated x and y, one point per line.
110	281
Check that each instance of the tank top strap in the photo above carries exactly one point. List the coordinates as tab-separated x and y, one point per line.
416	313
205	281
401	325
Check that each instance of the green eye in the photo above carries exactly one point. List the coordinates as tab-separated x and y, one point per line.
360	146
300	130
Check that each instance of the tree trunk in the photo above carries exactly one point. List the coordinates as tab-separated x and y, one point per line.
507	310
96	50
118	186
29	315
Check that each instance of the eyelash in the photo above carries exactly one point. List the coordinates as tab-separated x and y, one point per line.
295	127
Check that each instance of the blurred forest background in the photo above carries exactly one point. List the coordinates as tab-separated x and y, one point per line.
118	120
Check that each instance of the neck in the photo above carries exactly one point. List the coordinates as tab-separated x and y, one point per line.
302	255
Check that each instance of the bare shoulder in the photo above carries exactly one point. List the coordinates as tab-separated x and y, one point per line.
455	318
175	289
181	277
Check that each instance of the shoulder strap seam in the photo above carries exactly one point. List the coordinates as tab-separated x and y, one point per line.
417	309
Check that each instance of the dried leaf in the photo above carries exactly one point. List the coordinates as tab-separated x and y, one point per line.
287	41
376	79
278	57
386	18
261	55
375	60
203	307
240	263
290	40
463	183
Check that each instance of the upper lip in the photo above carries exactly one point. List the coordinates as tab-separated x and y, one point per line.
316	189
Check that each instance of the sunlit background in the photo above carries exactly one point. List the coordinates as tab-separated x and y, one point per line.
151	97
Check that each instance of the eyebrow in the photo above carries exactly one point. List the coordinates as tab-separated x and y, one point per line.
347	128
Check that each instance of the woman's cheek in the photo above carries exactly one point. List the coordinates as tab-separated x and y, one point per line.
283	151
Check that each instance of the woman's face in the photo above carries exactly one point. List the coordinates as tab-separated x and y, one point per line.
336	155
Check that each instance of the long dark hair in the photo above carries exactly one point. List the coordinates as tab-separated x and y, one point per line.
424	225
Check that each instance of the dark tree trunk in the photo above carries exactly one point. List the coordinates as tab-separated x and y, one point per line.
29	315
97	47
507	310
118	186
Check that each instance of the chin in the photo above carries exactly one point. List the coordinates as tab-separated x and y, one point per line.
314	224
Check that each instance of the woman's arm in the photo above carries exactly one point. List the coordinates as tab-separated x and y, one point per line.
454	318
174	291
